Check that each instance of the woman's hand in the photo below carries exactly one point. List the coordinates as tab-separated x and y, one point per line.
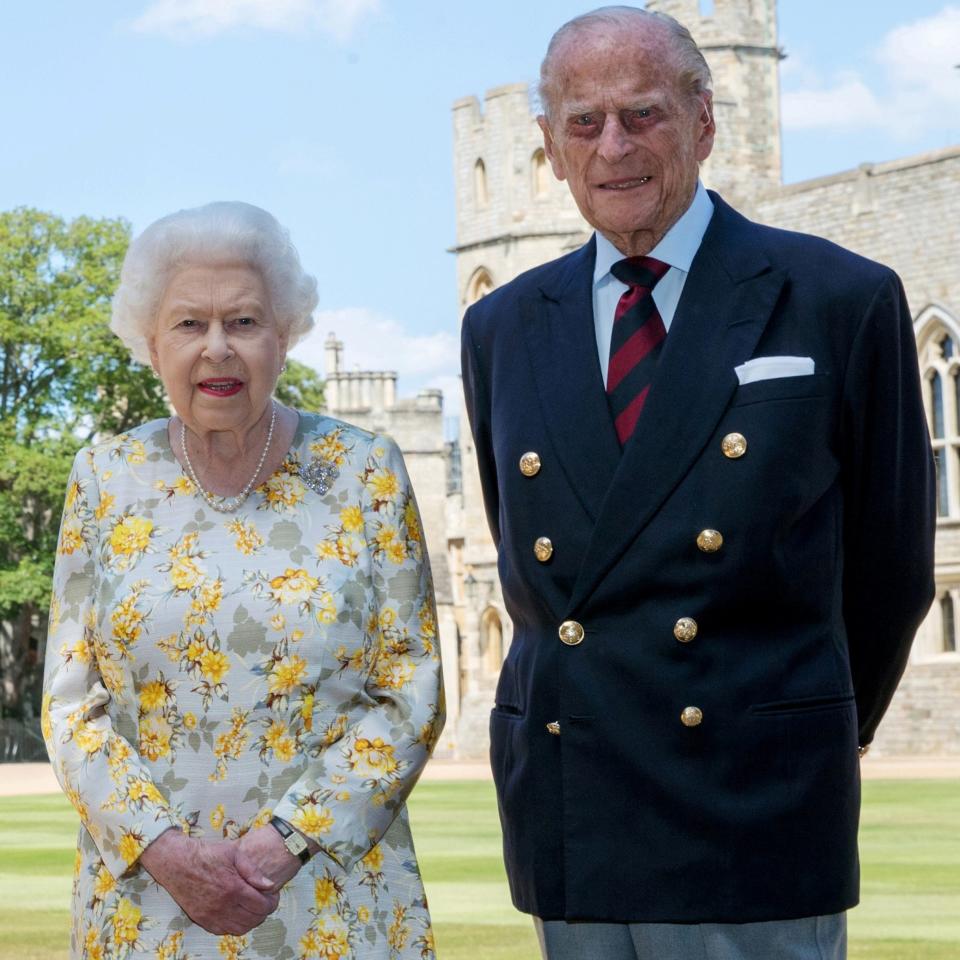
265	849
215	883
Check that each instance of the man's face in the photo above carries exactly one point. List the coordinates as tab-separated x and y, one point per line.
624	133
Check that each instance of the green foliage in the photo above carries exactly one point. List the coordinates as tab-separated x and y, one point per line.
64	379
300	387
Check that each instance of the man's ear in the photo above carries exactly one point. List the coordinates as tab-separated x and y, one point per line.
550	149
707	124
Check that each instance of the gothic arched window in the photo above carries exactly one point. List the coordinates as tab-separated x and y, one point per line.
491	641
540	172
937	343
480	196
481	283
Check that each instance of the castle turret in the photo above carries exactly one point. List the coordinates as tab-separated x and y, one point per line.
739	40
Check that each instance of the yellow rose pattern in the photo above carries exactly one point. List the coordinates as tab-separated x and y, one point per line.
206	672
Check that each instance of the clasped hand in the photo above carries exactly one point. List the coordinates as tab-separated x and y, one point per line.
224	886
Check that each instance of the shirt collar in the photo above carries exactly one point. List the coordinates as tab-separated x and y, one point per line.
677	247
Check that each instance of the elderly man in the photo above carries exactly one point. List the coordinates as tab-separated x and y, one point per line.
707	472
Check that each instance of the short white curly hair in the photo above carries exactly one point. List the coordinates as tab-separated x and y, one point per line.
226	231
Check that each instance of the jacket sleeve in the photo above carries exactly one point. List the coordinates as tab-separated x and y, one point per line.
100	771
889	502
477	400
353	789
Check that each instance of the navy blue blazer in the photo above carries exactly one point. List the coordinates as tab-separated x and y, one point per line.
805	615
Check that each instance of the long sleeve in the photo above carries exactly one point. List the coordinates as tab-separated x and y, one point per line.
890	511
369	760
119	804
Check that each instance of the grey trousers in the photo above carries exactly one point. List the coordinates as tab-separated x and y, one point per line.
809	938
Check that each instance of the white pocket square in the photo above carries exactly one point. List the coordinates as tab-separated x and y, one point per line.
771	368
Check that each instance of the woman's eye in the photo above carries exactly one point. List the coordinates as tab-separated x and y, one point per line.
244	321
188	323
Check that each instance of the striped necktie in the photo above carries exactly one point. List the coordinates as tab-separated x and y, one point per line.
638	335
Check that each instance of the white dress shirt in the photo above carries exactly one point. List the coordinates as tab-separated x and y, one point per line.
678	247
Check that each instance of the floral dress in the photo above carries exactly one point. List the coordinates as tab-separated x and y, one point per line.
208	671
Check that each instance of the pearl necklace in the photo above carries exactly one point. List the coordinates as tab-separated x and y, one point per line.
227	504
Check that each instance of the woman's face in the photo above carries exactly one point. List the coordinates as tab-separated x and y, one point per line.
217	347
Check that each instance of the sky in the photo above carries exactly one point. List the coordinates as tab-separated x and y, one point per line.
335	115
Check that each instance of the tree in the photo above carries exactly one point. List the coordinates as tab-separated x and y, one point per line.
64	379
300	386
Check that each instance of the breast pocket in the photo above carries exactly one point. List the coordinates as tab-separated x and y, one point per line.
782	388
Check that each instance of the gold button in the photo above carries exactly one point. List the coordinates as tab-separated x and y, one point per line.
685	629
530	464
734	445
554	728
571	633
543	549
691	717
710	541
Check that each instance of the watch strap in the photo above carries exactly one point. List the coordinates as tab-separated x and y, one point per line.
292	840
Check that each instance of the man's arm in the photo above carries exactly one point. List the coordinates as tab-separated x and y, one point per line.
477	398
889	502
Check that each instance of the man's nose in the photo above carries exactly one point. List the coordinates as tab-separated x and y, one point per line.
615	142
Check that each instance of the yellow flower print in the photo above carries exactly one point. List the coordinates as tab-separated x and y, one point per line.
278	621
247	540
283	490
412	521
332	939
335	730
107	503
385	536
73	492
326	893
92	945
46	721
131	536
155	736
363	913
330	447
169	947
154	695
183	486
399	931
384	485
287	675
293	586
71	537
373	757
205	601
394	673
373	861
326	550
104	884
313	820
137	452
396	552
262	819
231	947
89	738
327	610
126	923
80	652
278	739
131	846
217	815
306	712
214	665
351	519
388	617
185	573
190	721
231	744
348	551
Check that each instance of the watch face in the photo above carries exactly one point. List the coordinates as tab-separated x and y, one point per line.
295	843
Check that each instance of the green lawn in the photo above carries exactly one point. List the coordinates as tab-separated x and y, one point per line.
911	874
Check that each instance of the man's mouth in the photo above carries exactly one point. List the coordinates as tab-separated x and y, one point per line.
624	184
220	386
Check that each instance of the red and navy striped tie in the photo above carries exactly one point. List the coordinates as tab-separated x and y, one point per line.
638	335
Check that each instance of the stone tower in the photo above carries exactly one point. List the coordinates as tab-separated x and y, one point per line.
739	40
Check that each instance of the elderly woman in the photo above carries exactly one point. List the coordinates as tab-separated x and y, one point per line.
243	680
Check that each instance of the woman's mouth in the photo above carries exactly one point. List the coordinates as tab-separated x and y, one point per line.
220	386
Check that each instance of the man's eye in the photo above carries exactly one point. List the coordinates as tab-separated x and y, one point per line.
584	120
637	118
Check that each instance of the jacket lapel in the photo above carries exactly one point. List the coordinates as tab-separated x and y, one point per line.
727	299
561	342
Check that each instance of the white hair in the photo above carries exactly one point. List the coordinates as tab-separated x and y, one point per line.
694	73
217	233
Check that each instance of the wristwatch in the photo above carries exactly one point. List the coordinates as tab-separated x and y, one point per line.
292	840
